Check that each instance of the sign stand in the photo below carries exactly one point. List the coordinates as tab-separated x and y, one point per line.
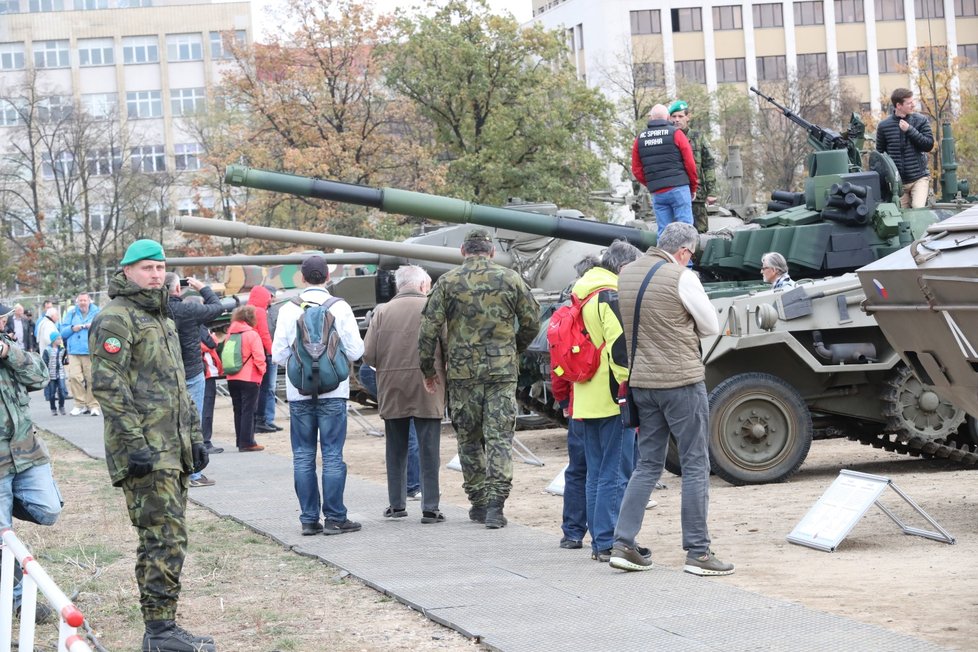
831	519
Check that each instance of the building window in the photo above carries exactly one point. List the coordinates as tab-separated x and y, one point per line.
890	9
769	68
99	218
185	101
96	52
99	105
44	6
51	54
852	63
649	75
970	55
219	46
144	104
9	6
12	56
966	7
688	19
813	65
768	15
184	47
140	49
848	11
727	17
809	13
103	162
126	4
63	165
187	156
694	70
88	5
54	108
732	70
928	8
893	60
579	31
646	21
10	116
151	158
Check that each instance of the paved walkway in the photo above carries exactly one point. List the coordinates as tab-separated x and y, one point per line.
513	589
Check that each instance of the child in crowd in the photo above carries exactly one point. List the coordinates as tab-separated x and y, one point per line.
54	360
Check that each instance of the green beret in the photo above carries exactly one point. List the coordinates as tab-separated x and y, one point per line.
143	250
478	235
678	105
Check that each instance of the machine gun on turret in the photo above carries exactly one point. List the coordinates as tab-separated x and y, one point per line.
822	139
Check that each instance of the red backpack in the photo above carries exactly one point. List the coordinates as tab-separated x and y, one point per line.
573	355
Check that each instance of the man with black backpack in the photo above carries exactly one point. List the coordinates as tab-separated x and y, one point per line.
317	338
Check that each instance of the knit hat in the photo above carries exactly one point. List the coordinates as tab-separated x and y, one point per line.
55	336
314	270
143	250
677	106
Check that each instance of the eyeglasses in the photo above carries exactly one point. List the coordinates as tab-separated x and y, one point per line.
691	252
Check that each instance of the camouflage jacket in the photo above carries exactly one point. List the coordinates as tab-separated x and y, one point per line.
705	166
20	449
490	317
138	379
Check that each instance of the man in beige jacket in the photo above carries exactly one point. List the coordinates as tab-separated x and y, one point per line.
667	380
391	345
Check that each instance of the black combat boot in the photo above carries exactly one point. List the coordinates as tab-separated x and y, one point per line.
167	636
477	513
494	514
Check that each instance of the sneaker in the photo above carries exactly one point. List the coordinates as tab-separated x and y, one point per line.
261	426
432	517
601	555
629	558
212	449
62	411
707	564
78	410
95	412
202	481
54	413
338	527
391	512
651	504
274	426
570	544
414	495
309	529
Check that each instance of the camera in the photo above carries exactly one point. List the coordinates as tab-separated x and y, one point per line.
184	282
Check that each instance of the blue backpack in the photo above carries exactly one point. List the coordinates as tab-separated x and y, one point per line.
318	363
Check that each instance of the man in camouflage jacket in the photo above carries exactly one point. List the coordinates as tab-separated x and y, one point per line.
679	114
152	433
491	318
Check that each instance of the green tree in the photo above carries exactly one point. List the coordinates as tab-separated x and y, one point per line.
510	115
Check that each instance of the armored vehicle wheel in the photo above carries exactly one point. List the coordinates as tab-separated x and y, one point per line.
672	457
915	413
760	429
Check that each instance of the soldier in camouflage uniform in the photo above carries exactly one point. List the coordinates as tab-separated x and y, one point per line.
679	114
152	434
490	317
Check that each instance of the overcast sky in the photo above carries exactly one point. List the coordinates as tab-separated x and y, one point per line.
521	9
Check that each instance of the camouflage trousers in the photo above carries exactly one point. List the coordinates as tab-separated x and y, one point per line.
484	417
157	507
700	220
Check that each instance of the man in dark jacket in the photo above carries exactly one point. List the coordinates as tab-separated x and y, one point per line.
906	137
662	159
189	317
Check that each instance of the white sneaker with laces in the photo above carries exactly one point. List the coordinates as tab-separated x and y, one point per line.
76	411
96	412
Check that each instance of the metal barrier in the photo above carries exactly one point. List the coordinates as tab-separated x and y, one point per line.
35	577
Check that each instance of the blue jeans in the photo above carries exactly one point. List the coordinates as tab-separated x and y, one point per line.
196	387
610	452
574	522
368	378
30	495
673	205
323	422
683	411
266	409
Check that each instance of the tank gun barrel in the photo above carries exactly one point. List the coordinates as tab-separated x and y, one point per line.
223	228
447	209
285	259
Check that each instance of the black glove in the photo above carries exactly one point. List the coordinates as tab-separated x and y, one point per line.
141	462
201	458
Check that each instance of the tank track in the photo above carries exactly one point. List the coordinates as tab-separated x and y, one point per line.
946	449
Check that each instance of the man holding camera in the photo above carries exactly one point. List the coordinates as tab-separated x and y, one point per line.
152	433
906	137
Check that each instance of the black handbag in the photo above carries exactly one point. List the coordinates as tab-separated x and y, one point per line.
626	400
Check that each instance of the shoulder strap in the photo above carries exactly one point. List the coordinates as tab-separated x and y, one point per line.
638	312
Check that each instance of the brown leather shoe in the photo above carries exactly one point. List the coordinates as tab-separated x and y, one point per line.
251	449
